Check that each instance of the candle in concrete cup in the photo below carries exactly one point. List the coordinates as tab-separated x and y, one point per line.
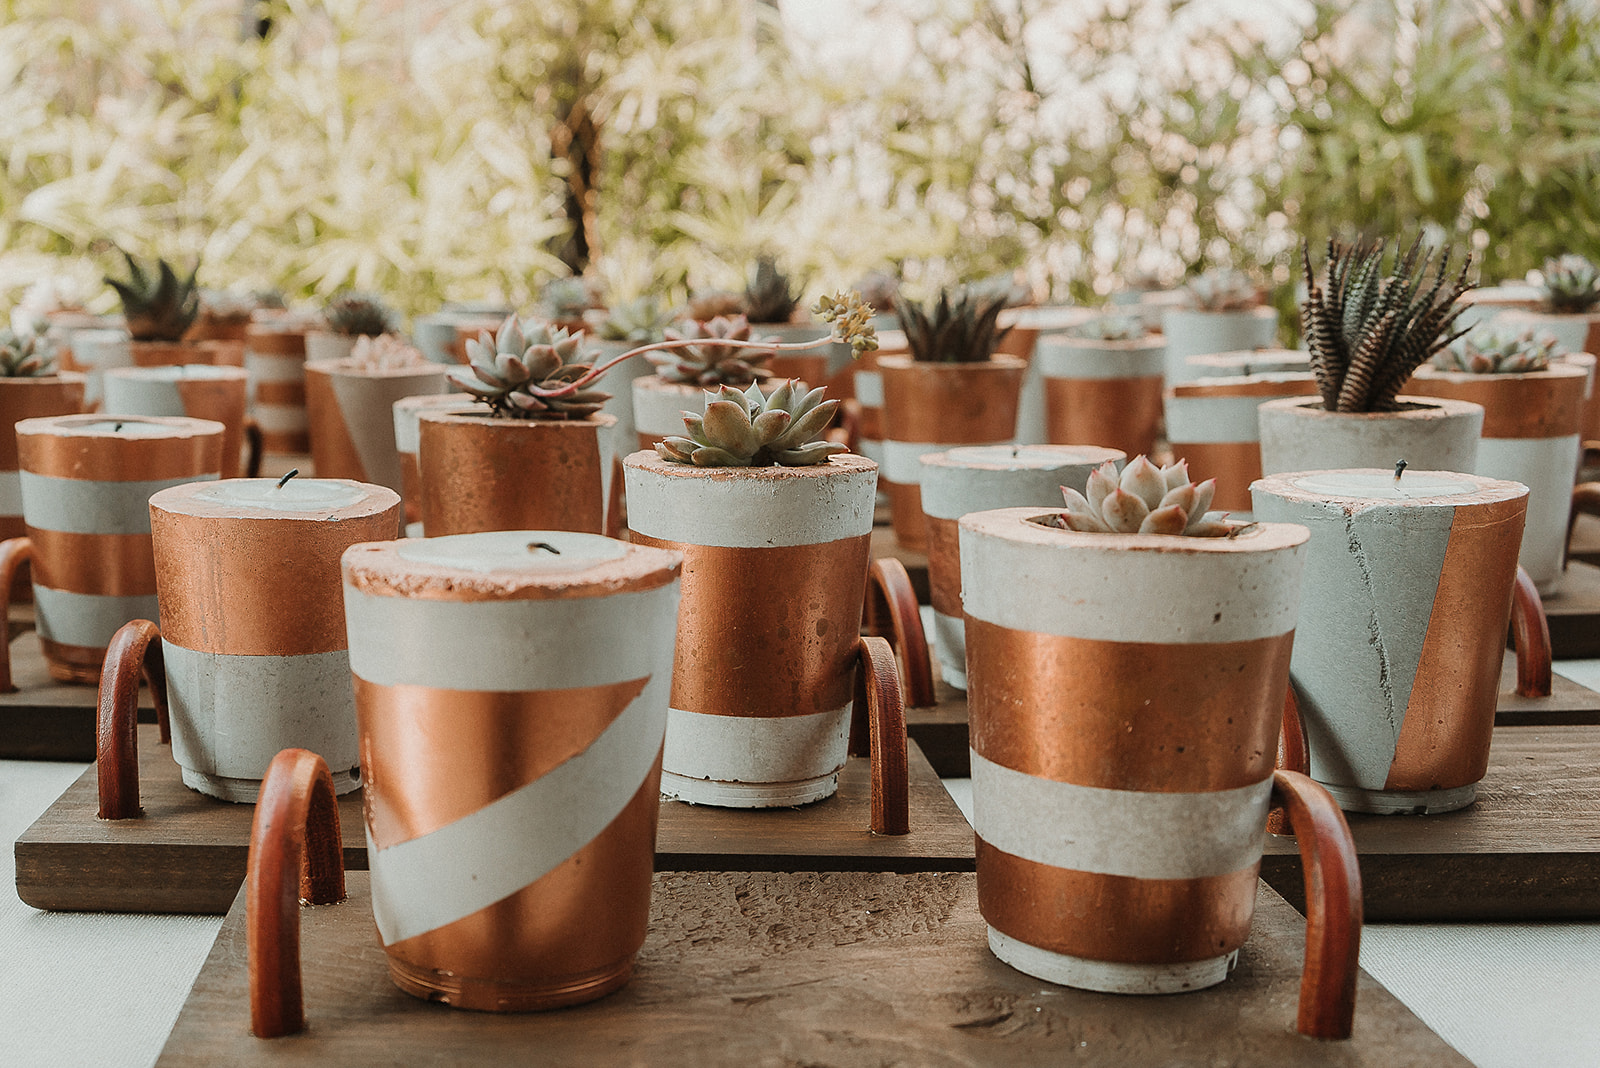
199	391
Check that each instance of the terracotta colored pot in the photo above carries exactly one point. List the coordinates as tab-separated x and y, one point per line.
350	413
252	623
1105	393
761	687
1579	332
977	478
407	414
1125	695
1212	423
275	356
171	353
1249	362
1192	332
511	705
1530	435
1433	434
28	398
929	407
198	391
1402	629
86	486
484	473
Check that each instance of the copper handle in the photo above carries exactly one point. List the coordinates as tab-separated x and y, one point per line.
889	593
14	552
879	725
1585	501
135	651
1530	634
614	510
253	446
295	854
1333	906
1293	755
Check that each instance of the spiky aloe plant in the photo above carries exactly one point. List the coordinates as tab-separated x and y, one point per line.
1224	289
26	354
958	327
528	370
1571	284
750	429
639	321
768	296
1145	499
358	315
1109	327
158	305
1368	330
1488	351
705	360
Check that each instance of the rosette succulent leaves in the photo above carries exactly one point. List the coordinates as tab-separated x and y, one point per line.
25	354
1571	284
1488	351
1145	499
528	370
358	315
749	429
640	321
1109	327
701	361
158	305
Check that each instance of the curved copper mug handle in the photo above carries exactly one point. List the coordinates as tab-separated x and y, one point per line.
295	854
135	650
1585	501
1530	633
14	552
1333	906
878	727
889	594
1294	754
253	447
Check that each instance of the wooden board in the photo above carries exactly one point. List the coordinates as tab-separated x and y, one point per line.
188	852
49	720
844	970
883	544
1574	613
1528	849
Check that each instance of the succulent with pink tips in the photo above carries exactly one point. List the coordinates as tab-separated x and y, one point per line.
1145	499
750	429
529	370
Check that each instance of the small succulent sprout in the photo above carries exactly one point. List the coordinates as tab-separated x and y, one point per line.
158	305
851	318
385	352
1109	326
960	326
26	353
1571	284
1224	289
529	370
769	296
704	362
358	315
715	304
641	321
1145	499
1491	351
749	429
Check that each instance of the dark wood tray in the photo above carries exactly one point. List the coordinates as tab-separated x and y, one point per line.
1574	613
837	969
49	720
1528	849
187	853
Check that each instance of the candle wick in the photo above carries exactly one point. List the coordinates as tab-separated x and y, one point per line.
292	472
116	429
1399	469
532	545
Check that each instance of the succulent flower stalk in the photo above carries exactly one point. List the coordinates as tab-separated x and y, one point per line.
1146	499
750	429
26	354
358	315
1488	351
1571	284
158	305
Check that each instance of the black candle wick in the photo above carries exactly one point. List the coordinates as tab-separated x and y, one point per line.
292	472
532	545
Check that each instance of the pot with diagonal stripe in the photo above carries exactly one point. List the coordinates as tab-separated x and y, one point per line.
1125	694
511	689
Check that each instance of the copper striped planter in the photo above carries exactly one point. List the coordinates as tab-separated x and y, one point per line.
977	478
1212	423
1105	393
275	356
407	414
867	387
774	575
929	407
350	413
1402	631
86	487
512	702
1196	332
198	391
1574	332
29	398
172	353
1125	694
93	353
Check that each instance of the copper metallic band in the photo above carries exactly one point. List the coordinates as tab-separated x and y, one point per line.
72	663
744	650
871	423
109	565
1522	406
270	342
30	398
482	474
810	368
285	442
1116	413
950	403
285	394
411	486
221	399
333	450
905	509
167	353
121	459
944	564
1246	386
1115	917
1205	716
1234	464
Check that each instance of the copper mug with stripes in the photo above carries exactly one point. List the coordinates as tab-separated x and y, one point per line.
511	690
1125	694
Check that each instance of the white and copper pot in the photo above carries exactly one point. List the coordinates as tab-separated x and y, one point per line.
199	391
407	414
1196	332
275	356
350	412
1212	423
1099	392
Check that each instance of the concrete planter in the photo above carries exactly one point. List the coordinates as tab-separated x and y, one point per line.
1430	434
1248	362
1212	423
658	407
1105	393
1577	332
407	440
198	391
93	353
511	704
761	688
1192	332
442	336
867	388
350	413
29	398
1402	629
275	356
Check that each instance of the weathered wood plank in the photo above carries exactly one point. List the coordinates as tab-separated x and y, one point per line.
48	720
1574	613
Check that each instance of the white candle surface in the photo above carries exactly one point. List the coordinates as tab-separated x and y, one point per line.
122	427
298	495
508	550
1382	486
1017	457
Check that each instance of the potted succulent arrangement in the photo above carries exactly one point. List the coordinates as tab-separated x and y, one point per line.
346	317
1225	311
199	391
350	406
1571	312
1102	384
159	308
950	389
708	353
1369	327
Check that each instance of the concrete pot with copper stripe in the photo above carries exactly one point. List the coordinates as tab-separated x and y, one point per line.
172	353
275	356
1402	629
1212	423
1531	425
198	391
1574	332
930	407
1429	433
252	623
86	487
1248	362
774	575
350	412
29	398
978	478
1125	694
1101	392
483	472
512	694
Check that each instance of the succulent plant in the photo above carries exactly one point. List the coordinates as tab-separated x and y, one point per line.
1571	284
1145	499
528	370
768	297
383	352
158	305
1369	331
958	327
1224	289
639	322
358	315
1489	351
566	299
723	303
1110	327
26	354
749	429
708	363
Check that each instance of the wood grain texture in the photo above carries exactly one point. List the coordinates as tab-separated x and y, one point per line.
845	970
188	852
1574	613
49	720
1528	849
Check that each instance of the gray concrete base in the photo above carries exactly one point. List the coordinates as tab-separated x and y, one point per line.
1402	802
1110	977
748	794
